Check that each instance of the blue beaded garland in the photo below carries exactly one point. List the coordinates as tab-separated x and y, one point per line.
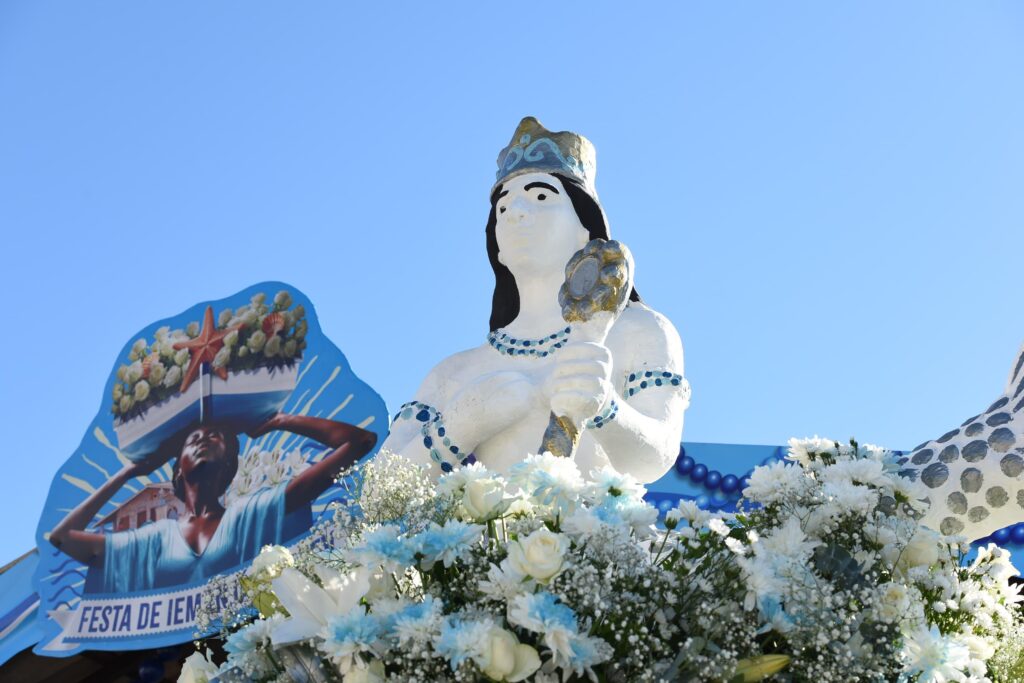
1017	534
698	473
713	479
1001	536
684	464
730	483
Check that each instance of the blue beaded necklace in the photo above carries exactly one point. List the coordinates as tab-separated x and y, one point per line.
537	348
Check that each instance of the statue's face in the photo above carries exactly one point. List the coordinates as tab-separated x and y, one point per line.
537	228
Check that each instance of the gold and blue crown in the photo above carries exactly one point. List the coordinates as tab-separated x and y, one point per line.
535	149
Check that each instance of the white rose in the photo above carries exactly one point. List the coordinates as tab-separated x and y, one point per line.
256	341
372	673
224	318
173	377
269	563
223	357
122	373
301	328
521	507
197	668
258	299
250	318
141	390
282	300
289	348
299	312
139	347
134	373
504	658
243	351
126	403
192	329
272	347
118	392
540	555
922	551
482	498
157	372
181	357
231	338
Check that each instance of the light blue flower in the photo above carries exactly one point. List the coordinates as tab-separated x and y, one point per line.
348	635
384	547
776	618
541	612
462	639
249	638
417	622
447	543
586	653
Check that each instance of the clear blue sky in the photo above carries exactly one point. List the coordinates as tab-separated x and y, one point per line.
825	198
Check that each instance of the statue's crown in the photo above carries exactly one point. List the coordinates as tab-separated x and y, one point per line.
535	149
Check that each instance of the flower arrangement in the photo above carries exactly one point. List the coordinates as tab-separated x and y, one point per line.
265	335
824	574
260	468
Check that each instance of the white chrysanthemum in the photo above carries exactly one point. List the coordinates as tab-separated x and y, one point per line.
607	483
550	481
933	657
859	471
454	483
775	482
851	498
788	540
800	450
691	512
505	583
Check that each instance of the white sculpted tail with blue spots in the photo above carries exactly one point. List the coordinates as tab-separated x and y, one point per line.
973	472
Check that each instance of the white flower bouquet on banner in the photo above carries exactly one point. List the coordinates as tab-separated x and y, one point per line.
239	366
823	575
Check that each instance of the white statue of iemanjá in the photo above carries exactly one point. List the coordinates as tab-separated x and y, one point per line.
575	362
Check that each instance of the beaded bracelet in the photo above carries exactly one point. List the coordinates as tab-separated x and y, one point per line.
639	380
605	416
441	448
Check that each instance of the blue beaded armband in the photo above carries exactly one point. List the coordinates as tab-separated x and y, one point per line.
639	380
605	416
441	448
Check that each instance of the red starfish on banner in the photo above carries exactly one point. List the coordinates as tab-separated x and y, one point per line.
203	348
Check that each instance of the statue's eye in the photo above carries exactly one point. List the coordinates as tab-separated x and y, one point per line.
502	210
541	197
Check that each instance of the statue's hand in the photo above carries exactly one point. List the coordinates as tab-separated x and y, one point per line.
580	383
487	406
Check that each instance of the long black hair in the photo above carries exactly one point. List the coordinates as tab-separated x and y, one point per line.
505	302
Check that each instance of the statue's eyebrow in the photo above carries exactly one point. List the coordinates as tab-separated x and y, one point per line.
502	194
530	186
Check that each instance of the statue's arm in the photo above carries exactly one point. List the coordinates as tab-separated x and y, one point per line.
450	417
643	436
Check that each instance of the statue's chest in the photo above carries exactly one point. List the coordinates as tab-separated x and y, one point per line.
490	361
